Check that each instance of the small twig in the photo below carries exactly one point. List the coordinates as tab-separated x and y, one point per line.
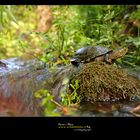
135	114
56	103
135	109
64	109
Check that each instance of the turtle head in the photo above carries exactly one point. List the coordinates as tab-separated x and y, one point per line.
118	53
79	56
74	61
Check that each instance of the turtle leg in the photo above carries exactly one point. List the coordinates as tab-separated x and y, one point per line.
107	59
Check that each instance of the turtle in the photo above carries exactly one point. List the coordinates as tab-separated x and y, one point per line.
97	53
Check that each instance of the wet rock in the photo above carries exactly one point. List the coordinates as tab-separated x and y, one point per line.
19	80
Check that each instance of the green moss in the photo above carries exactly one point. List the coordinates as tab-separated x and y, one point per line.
101	82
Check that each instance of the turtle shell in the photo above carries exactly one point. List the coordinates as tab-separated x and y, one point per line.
85	54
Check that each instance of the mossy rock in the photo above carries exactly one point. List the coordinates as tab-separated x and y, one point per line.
101	82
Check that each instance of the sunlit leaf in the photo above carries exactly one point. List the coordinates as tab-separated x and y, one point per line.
8	10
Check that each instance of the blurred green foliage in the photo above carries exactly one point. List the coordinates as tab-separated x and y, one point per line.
17	35
52	108
48	106
72	27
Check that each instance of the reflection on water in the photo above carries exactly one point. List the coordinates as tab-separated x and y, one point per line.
121	109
